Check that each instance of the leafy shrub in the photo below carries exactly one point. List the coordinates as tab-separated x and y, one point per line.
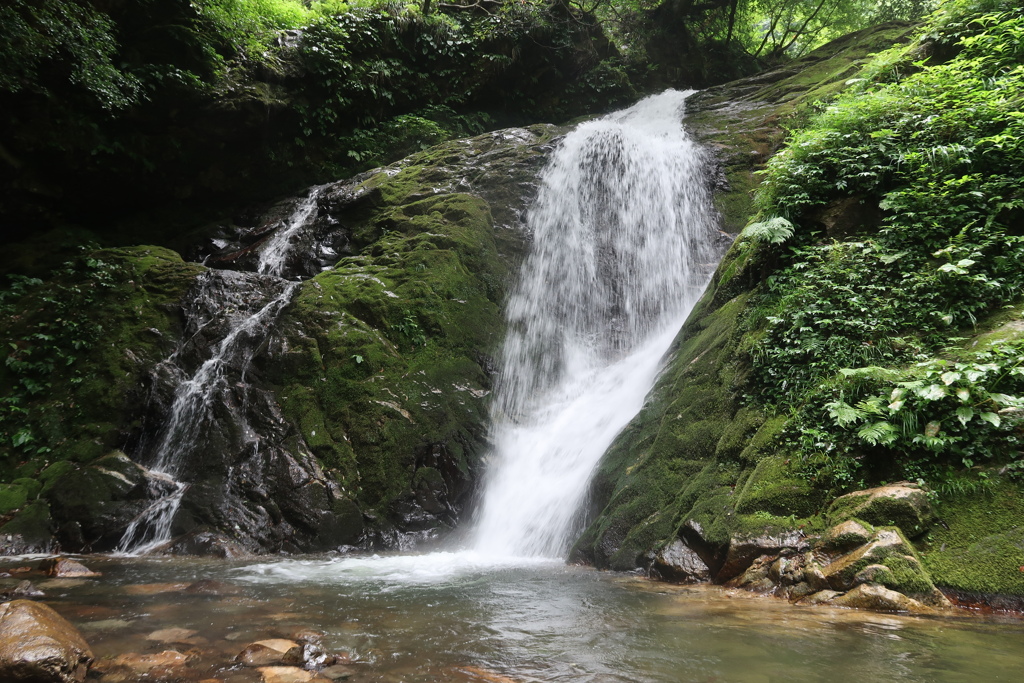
850	334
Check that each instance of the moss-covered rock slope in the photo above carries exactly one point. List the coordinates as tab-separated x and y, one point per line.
355	415
864	329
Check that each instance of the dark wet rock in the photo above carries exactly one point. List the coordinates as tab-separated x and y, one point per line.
787	570
904	505
744	549
208	544
796	592
92	505
271	652
61	567
37	645
24	590
31	531
678	562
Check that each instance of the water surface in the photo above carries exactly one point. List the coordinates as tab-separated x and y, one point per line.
463	617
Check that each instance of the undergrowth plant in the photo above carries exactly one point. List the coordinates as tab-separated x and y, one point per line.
850	333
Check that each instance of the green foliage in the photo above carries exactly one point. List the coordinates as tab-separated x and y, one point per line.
50	41
775	230
850	337
40	347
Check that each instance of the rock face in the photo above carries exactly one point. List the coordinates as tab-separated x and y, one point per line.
37	645
353	412
695	455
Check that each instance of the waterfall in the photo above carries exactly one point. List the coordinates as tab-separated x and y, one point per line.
624	242
244	307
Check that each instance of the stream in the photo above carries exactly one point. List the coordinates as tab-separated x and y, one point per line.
462	617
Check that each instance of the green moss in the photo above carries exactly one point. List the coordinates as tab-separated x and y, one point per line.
394	338
775	488
89	334
32	523
979	544
12	497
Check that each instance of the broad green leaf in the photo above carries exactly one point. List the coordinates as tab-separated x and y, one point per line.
963	394
991	418
932	392
950	377
964	414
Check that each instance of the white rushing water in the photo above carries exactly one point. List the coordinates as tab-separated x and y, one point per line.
274	253
225	294
624	242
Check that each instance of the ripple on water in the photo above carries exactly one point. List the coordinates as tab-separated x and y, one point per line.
458	617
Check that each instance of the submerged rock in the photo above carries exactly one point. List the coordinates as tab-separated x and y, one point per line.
37	645
61	567
270	652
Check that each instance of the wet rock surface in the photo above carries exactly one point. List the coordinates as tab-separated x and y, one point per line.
37	645
351	414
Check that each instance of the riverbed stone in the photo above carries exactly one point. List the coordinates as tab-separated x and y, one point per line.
289	674
877	597
270	652
904	505
822	597
62	567
184	636
743	550
143	663
37	645
678	562
24	590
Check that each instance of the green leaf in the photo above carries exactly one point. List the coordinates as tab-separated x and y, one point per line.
965	414
950	377
963	394
932	392
843	413
991	418
877	433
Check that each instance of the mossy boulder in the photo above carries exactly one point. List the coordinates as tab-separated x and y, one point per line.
888	559
385	364
904	505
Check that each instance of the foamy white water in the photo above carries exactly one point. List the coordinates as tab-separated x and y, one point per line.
274	253
624	245
191	411
388	571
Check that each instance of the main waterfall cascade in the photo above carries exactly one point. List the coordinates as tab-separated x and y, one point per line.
246	305
624	243
624	240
